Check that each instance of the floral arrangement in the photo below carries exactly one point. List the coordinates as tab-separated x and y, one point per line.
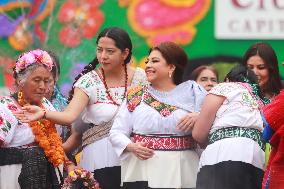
83	175
32	57
46	136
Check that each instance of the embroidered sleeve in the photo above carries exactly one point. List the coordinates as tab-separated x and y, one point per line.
134	97
86	83
8	121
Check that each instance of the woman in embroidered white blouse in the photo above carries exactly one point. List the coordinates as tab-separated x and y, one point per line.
98	93
152	131
230	121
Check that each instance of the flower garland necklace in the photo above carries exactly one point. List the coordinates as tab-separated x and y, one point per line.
46	136
107	89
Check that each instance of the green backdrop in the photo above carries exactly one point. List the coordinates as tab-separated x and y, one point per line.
203	45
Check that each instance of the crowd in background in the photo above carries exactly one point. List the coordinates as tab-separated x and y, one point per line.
140	129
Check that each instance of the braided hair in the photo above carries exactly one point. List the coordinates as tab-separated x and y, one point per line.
91	66
243	74
122	41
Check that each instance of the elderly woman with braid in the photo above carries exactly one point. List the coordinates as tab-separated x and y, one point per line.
98	93
29	152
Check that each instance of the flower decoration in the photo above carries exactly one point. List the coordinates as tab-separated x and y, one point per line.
12	107
1	120
166	20
83	175
35	56
22	37
46	136
81	18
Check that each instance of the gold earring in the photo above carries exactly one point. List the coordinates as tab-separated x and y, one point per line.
170	74
20	98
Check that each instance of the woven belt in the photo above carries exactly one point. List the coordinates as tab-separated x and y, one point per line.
96	133
232	132
166	142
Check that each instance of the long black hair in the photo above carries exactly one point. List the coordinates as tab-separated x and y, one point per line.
122	41
268	55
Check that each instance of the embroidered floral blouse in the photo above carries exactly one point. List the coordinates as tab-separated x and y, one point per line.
240	109
12	132
101	108
148	111
100	154
240	105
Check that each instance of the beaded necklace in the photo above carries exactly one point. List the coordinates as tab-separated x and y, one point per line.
107	89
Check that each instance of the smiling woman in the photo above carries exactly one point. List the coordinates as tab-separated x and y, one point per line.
153	127
262	60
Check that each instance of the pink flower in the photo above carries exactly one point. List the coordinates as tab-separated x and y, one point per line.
165	112
1	120
12	107
32	57
37	52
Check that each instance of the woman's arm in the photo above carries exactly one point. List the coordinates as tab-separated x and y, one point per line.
76	106
120	136
206	117
73	142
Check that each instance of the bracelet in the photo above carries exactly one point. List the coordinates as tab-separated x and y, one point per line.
44	113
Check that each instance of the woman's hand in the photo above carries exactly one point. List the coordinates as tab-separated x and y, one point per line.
30	113
72	167
187	122
140	151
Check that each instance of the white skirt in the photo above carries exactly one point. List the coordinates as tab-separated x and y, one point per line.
233	149
98	155
166	169
9	175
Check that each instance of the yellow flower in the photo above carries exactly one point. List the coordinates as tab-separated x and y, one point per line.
155	104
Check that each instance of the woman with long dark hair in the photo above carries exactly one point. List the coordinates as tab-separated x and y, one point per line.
262	60
98	93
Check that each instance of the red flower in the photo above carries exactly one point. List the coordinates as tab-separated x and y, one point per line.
12	107
133	103
1	120
130	106
81	18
